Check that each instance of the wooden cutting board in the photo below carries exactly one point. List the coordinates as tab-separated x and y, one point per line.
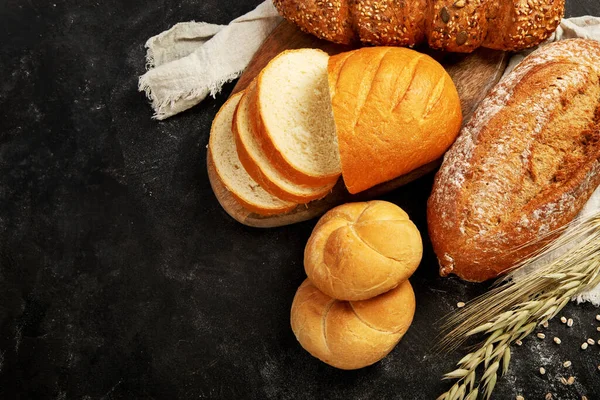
474	76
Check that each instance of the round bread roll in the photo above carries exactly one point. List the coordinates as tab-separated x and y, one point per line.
360	250
351	335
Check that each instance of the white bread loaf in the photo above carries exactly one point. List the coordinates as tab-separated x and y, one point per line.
223	156
395	110
351	335
293	117
360	250
257	164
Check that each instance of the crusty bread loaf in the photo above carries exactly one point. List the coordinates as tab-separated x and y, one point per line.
451	25
259	166
524	166
351	335
293	117
360	250
395	110
223	156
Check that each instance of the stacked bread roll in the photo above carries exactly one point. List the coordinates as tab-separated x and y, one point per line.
357	302
370	115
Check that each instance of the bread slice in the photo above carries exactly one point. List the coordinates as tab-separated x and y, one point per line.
258	165
294	119
223	155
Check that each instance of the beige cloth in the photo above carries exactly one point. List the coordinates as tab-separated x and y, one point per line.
194	59
589	28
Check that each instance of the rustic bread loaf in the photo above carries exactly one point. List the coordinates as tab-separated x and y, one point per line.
223	156
293	117
452	25
259	167
524	166
360	250
351	335
395	110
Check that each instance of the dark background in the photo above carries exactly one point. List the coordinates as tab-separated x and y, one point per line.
121	276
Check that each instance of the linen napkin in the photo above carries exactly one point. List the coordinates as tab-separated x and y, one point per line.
194	59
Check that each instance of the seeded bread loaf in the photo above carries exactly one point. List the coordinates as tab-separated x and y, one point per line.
451	25
224	159
524	166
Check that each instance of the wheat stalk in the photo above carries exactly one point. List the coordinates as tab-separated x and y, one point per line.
512	310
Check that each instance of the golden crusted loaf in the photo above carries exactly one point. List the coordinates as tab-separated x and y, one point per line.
452	25
360	250
395	110
351	335
524	166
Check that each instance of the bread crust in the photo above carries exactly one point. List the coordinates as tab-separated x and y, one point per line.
395	110
275	155
361	250
351	335
523	167
256	172
451	25
276	209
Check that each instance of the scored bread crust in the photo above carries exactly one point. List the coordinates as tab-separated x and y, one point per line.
451	25
270	180
278	157
395	110
523	167
269	205
360	250
351	335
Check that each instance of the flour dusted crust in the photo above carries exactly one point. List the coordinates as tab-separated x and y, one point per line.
452	25
523	167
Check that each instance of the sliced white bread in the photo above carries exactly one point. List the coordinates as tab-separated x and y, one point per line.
294	118
259	166
223	155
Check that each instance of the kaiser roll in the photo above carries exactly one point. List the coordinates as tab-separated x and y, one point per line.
351	335
360	250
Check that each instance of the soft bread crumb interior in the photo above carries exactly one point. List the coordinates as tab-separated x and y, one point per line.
296	109
253	148
228	164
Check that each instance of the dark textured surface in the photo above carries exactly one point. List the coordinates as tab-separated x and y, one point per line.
121	277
